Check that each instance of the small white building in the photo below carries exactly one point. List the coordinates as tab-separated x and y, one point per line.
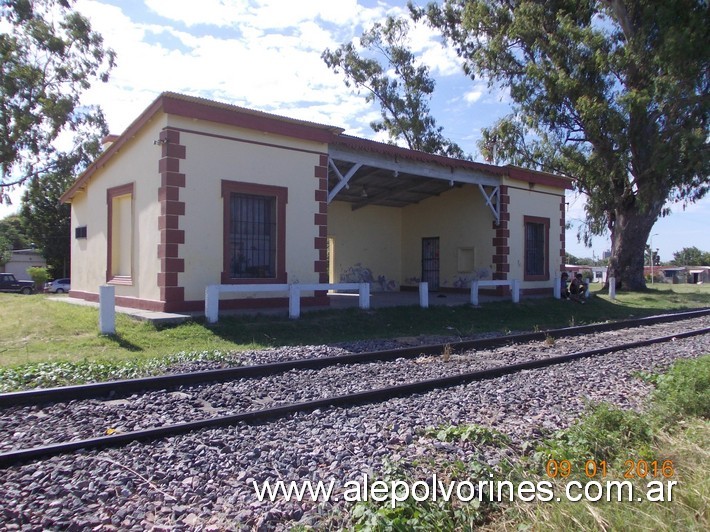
23	259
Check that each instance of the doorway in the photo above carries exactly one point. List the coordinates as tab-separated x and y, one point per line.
430	262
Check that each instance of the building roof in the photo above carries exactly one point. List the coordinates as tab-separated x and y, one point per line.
426	172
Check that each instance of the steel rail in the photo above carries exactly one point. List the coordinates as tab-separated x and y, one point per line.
10	458
121	388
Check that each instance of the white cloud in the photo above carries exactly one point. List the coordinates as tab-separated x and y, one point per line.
426	42
271	70
472	96
263	14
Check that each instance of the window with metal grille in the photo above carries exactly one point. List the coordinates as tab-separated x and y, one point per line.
252	236
536	248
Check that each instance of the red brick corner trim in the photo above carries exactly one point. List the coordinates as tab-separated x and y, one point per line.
320	219
500	243
171	210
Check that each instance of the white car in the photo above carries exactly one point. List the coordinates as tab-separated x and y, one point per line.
59	286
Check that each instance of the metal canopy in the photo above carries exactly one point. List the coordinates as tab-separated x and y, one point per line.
368	178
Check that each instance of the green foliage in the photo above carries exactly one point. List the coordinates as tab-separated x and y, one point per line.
48	57
684	391
51	374
5	250
691	256
613	94
402	87
417	515
470	433
39	275
12	229
604	433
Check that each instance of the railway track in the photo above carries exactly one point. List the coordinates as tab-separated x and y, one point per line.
10	401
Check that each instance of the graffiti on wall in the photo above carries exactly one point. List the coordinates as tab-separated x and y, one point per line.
464	281
361	274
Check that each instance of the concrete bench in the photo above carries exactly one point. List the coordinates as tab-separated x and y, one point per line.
514	285
213	291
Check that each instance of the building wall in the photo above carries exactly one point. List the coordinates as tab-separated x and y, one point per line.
461	220
215	153
539	202
366	245
137	163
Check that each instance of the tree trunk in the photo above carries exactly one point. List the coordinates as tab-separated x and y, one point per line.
628	245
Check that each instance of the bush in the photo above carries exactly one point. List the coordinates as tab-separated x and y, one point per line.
39	275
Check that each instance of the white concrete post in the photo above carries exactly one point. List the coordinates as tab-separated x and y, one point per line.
424	295
515	287
474	293
212	303
364	292
612	288
107	309
557	288
294	302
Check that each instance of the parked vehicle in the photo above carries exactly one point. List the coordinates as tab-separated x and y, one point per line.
8	283
58	286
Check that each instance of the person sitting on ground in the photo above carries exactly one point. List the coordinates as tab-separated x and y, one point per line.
578	289
564	291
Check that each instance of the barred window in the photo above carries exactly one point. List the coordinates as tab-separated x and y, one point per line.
252	237
536	248
254	233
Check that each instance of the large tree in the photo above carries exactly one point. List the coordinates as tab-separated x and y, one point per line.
49	56
613	93
402	87
5	250
13	231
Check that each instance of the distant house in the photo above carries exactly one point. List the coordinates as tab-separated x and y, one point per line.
197	192
698	274
681	274
21	260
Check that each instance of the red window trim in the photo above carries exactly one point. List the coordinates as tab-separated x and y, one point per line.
281	196
546	222
111	193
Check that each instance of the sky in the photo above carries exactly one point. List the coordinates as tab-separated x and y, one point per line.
266	55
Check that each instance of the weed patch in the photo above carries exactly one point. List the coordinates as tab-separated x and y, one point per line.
63	373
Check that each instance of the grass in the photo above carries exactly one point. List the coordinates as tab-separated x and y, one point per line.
35	330
687	510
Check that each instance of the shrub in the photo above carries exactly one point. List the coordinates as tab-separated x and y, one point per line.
39	275
684	391
602	434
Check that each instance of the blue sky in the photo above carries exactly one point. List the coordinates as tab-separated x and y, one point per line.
265	54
